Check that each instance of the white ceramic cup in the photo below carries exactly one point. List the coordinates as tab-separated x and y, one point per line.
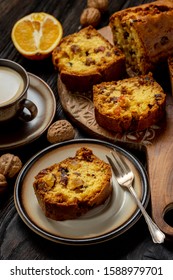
14	83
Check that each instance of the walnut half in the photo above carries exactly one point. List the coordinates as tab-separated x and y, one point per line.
10	165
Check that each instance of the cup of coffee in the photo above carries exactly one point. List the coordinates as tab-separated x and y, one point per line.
14	83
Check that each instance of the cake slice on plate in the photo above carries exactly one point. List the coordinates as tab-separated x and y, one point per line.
72	187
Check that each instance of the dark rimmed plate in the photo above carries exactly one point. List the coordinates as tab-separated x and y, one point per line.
18	133
116	216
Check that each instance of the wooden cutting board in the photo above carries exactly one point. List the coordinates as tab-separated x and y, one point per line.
157	141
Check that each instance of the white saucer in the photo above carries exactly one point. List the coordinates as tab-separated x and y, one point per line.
17	133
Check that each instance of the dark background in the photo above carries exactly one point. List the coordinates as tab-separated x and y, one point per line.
17	241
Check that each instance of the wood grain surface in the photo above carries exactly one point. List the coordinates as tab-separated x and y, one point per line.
160	162
17	241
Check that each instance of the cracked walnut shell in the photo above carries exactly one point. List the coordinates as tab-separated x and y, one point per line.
10	165
90	16
101	5
60	131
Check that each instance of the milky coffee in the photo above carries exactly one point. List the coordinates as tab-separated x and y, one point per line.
11	85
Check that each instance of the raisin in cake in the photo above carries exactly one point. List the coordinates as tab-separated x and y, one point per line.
86	58
70	188
130	104
145	35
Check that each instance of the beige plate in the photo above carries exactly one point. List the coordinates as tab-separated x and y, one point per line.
113	218
18	133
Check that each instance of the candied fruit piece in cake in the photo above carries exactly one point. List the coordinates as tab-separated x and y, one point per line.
130	104
86	58
70	188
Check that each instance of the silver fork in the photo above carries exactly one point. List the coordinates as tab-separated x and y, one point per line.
125	178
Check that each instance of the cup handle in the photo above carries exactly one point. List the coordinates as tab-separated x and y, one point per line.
30	113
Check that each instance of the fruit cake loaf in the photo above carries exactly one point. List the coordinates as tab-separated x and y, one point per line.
145	35
70	188
86	58
130	104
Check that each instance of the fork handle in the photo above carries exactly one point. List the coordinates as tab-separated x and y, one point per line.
157	235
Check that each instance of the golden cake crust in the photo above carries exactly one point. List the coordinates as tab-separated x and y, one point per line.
68	189
130	104
86	58
145	34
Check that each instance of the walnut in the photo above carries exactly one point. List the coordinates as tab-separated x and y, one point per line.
3	183
101	5
10	165
60	131
90	16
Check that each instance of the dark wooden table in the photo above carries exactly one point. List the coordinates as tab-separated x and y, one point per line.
17	241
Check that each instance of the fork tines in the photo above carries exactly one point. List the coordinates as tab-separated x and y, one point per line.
119	165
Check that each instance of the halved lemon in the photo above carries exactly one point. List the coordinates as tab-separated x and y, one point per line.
36	35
